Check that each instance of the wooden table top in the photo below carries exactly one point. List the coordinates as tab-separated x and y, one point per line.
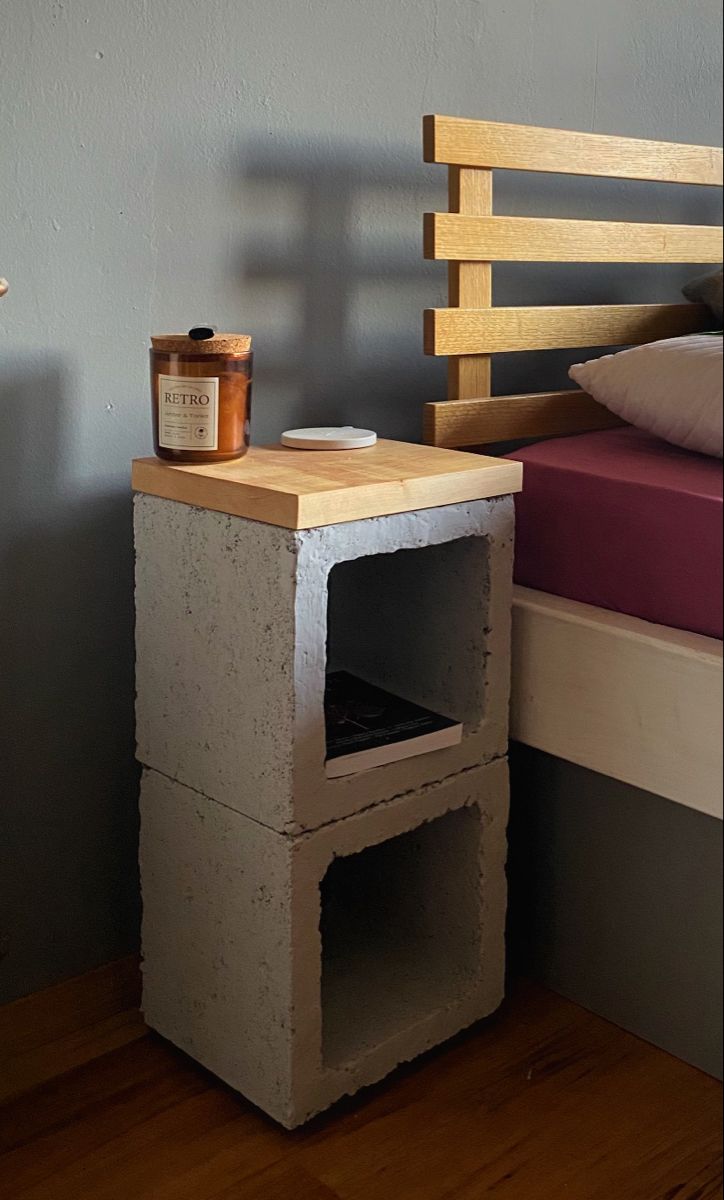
303	489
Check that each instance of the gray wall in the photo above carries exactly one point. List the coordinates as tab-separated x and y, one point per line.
257	165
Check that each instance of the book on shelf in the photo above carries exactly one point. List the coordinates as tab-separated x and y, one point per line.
368	727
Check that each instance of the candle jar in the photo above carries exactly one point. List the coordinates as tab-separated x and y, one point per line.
201	396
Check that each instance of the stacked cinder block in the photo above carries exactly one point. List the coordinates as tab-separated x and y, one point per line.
302	935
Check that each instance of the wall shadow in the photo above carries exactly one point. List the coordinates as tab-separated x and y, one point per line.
333	280
68	884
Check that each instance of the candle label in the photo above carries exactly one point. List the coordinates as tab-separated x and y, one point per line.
188	413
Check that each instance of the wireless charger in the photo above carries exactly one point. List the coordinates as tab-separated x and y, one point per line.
329	437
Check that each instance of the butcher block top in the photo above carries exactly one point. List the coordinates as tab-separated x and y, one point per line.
303	489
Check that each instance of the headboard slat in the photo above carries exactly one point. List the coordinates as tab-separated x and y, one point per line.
468	143
470	331
458	423
549	239
458	331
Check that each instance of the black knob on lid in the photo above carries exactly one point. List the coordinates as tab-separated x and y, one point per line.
202	333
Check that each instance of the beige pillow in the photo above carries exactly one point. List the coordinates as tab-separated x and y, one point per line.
672	389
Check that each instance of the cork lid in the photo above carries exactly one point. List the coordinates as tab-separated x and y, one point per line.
219	343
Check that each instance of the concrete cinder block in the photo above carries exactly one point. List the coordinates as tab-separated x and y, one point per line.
237	622
302	968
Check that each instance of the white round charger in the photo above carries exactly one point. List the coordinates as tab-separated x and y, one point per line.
329	437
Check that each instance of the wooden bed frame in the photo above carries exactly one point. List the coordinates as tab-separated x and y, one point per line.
638	702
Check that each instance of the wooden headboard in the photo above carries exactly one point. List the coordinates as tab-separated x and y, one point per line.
471	239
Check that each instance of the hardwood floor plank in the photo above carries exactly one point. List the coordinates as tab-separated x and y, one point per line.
46	1131
529	1128
545	1101
285	1182
46	1016
34	1067
224	1158
50	1032
160	1155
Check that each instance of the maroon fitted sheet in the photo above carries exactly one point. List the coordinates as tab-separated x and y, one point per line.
625	521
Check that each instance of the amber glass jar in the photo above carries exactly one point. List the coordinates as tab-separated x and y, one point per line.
201	396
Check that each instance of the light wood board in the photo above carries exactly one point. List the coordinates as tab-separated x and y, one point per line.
470	284
639	702
504	330
303	489
507	418
473	143
454	236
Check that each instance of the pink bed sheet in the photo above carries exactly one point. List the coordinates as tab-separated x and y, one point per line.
624	521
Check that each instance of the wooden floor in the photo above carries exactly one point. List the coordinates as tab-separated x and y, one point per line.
544	1102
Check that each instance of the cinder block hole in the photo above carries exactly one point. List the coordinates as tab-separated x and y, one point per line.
401	933
414	622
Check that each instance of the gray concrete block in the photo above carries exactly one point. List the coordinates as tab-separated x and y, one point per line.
237	622
300	969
